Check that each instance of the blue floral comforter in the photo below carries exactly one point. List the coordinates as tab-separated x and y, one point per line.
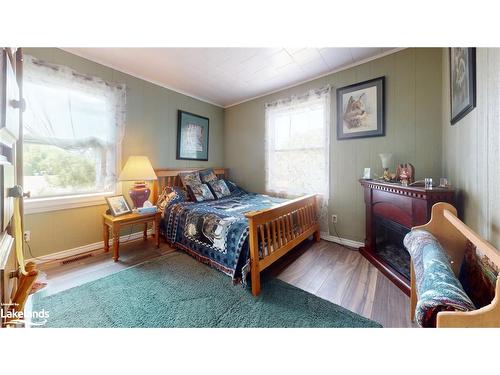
215	232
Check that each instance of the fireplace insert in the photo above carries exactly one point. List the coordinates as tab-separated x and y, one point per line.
389	246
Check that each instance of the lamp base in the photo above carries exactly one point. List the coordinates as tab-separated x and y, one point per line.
139	193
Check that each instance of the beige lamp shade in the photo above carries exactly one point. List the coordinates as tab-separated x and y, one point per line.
137	168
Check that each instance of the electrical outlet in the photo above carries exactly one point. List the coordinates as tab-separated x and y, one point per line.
334	219
27	235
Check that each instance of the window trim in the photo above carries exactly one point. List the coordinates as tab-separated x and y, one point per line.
270	148
39	205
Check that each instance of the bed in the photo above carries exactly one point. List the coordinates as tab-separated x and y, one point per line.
241	234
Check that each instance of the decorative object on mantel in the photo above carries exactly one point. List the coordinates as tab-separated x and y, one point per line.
443	182
386	159
405	173
367	175
360	110
138	169
462	82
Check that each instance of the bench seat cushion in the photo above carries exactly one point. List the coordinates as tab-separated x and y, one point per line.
438	289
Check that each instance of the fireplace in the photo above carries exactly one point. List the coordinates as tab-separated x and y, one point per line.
391	211
389	247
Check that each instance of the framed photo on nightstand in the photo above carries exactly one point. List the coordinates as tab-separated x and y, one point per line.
118	205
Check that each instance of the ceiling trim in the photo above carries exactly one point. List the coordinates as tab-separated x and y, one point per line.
139	76
352	65
125	71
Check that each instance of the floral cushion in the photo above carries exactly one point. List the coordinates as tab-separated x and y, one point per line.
190	178
200	192
170	195
207	175
478	276
219	188
438	289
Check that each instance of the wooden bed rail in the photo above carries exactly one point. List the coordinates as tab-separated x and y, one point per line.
453	235
275	231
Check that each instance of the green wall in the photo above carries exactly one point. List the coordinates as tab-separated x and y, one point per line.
471	148
413	132
151	129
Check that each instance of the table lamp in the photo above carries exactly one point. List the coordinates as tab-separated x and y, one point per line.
386	159
138	169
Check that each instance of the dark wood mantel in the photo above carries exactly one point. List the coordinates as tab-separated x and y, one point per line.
407	206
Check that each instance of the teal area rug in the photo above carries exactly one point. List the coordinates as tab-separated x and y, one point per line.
175	290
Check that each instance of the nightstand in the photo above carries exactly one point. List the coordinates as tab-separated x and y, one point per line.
115	223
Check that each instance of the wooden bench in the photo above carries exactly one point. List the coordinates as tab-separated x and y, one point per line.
453	235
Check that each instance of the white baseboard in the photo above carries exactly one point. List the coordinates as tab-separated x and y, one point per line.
137	235
343	241
84	249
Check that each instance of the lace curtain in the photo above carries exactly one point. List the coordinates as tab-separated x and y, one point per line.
75	112
297	147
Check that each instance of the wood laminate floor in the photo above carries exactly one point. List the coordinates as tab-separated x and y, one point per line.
326	269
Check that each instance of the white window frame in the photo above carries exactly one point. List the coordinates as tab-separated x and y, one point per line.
62	202
282	105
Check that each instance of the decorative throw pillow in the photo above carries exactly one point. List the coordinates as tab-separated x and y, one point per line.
219	188
170	195
200	192
190	178
233	188
208	175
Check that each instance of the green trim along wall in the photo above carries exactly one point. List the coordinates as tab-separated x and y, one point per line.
151	128
471	147
413	132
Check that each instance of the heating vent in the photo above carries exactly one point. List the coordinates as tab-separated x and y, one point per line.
75	259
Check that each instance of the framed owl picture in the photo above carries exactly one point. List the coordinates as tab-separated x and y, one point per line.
360	110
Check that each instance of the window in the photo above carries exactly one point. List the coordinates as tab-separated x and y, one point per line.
297	145
73	126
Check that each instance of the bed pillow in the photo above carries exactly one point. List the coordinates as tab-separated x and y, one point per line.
208	175
170	195
190	178
200	192
233	188
219	189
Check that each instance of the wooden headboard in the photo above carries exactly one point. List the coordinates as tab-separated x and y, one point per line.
170	177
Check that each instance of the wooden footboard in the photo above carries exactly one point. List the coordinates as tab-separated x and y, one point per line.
275	231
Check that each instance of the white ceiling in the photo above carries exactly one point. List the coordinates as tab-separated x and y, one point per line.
226	76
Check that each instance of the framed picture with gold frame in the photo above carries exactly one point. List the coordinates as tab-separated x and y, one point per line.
118	205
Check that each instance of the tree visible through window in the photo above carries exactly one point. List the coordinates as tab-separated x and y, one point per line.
72	130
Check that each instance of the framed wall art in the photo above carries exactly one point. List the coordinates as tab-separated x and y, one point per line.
462	82
192	136
360	110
